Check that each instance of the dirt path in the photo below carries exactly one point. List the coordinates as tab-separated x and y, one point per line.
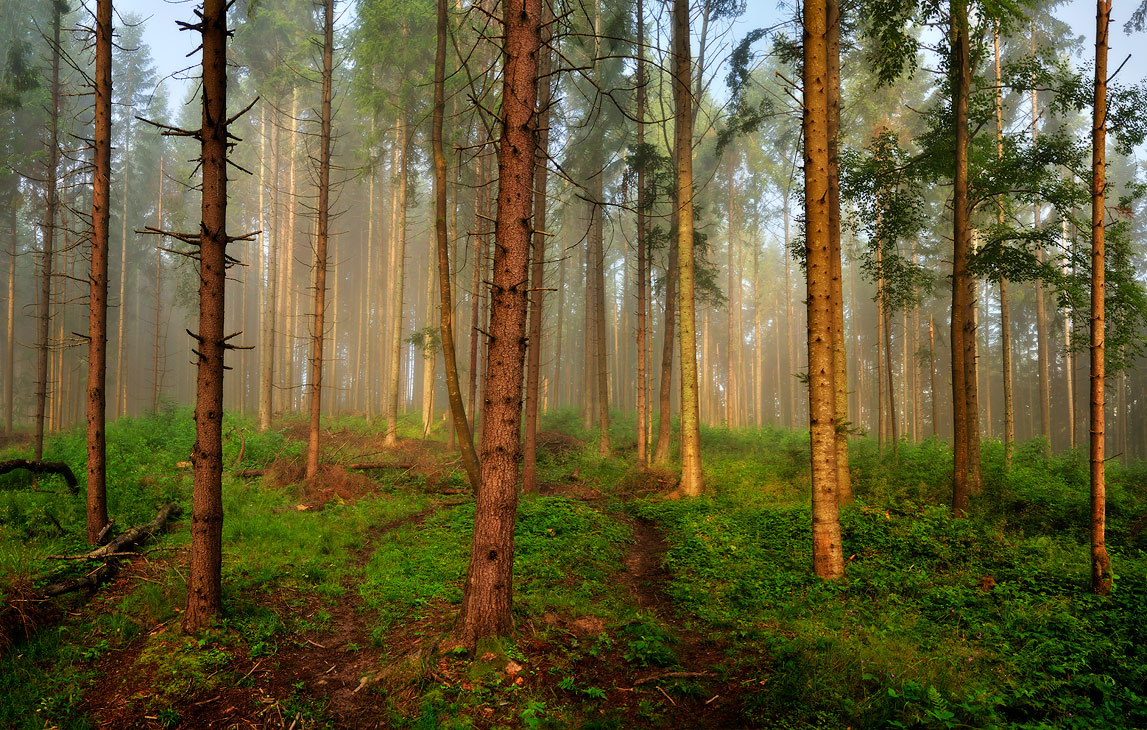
312	674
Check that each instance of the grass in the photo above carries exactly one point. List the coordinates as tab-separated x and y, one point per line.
940	623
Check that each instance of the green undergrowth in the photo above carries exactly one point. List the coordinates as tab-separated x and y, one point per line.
566	556
277	560
940	622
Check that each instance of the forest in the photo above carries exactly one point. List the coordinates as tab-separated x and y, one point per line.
573	364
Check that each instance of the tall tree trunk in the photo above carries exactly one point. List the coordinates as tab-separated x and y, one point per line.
399	258
828	559
157	336
881	427
10	329
790	347
270	293
316	384
486	597
839	354
932	376
120	395
965	423
691	475
204	590
1101	574
97	503
541	179
1005	309
51	214
665	384
642	274
445	291
894	431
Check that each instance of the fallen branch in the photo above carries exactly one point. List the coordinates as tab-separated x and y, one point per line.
379	465
112	553
670	675
43	467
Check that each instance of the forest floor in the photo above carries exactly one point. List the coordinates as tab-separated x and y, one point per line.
632	610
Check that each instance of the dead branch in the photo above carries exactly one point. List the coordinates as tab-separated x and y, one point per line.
43	467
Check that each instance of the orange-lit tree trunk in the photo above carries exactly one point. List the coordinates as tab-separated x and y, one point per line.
445	291
322	224
839	354
1100	563
399	258
828	561
204	589
97	503
486	596
691	476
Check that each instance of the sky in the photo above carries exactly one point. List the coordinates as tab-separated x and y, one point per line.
170	46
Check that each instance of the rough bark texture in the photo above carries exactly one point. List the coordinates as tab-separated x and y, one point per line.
97	503
665	384
691	477
961	294
321	241
839	354
1100	563
270	292
1005	311
489	580
446	312
828	561
534	366
204	590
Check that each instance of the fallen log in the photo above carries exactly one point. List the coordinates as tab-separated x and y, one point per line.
112	553
379	465
43	467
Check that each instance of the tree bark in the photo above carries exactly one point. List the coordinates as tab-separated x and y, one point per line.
665	384
828	560
839	354
541	178
1005	310
320	290
486	597
157	336
204	589
691	475
97	503
965	425
1101	575
270	292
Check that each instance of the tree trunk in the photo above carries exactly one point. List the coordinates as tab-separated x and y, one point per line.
1005	310
839	354
790	347
399	258
965	425
316	385
270	291
932	376
642	274
97	503
541	177
445	291
665	385
1101	575
157	335
53	204
828	560
10	329
691	475
486	597
204	590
